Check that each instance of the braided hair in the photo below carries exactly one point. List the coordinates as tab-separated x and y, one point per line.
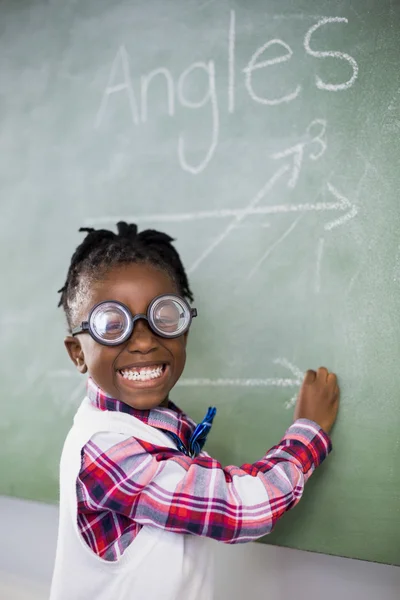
102	249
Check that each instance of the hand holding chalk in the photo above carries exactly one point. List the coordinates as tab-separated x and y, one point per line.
318	399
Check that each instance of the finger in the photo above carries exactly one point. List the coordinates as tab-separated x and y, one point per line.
322	373
310	376
332	379
335	396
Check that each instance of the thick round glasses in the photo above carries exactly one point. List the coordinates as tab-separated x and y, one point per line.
111	323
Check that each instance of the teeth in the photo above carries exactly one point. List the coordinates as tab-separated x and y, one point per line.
144	374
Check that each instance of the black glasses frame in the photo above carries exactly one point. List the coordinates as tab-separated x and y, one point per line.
85	326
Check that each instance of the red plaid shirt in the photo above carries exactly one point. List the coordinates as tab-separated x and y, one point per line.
125	483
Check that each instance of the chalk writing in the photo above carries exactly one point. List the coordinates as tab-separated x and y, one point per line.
318	138
321	85
231	62
254	65
274	53
266	254
145	82
121	60
239	217
294	381
342	204
210	96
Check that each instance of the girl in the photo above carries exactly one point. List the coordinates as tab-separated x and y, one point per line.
138	495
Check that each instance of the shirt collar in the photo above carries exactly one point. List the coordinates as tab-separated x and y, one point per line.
169	418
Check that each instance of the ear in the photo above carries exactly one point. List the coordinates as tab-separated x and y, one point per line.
75	353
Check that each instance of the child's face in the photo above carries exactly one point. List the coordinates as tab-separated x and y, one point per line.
135	285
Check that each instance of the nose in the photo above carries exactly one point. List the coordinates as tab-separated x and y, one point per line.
142	338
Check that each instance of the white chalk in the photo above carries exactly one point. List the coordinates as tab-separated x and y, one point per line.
231	62
319	138
253	65
145	82
113	88
344	204
211	97
330	54
240	216
270	382
264	257
237	213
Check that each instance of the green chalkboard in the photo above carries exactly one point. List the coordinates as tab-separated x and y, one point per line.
264	136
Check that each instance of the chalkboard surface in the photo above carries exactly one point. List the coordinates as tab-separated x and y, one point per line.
264	136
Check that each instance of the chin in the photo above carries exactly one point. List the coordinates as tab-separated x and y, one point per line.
144	403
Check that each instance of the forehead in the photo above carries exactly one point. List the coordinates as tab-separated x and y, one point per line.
133	284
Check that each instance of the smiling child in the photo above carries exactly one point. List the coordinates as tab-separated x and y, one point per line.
138	494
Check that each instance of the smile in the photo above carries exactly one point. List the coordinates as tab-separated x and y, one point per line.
144	377
143	373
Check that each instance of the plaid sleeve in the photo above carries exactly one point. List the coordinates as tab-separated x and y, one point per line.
157	486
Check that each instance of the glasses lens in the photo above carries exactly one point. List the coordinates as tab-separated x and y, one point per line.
109	322
170	316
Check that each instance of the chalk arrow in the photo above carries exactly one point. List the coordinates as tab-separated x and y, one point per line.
293	381
283	382
239	213
237	219
342	204
296	152
296	372
291	171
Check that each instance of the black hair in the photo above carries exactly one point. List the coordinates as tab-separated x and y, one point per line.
103	249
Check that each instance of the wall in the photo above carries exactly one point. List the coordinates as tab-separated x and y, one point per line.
251	571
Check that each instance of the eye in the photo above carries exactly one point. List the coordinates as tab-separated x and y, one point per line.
113	326
167	317
109	322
